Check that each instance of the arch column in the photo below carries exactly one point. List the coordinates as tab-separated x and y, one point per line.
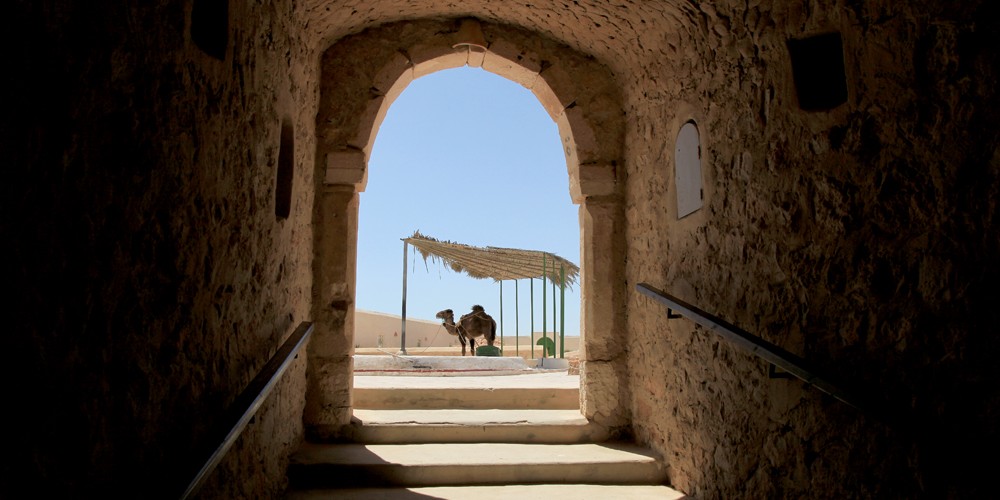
604	396
331	351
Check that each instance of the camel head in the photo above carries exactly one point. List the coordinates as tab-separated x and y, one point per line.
447	315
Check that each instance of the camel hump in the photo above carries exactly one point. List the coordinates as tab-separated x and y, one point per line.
477	308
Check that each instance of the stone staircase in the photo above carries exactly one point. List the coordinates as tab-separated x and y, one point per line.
474	437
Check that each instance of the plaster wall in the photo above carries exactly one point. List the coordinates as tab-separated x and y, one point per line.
374	329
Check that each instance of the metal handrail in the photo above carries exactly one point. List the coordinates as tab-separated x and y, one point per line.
762	348
247	404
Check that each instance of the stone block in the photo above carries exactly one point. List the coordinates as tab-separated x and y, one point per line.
395	68
346	167
476	56
510	61
368	123
596	179
328	401
548	98
390	82
429	59
578	123
603	395
559	90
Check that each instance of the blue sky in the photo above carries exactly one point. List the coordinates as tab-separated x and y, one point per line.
467	156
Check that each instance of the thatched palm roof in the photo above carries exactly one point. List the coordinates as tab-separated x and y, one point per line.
493	262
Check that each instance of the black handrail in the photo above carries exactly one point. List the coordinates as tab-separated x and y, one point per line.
247	404
762	348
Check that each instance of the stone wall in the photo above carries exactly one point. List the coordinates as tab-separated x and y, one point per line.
861	238
152	273
149	275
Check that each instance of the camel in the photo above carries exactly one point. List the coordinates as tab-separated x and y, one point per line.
477	324
470	326
448	317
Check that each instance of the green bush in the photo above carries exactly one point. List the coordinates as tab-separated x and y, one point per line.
487	350
548	346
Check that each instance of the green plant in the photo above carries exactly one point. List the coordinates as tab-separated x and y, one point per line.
548	346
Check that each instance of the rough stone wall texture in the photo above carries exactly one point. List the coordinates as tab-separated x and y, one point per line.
149	279
862	238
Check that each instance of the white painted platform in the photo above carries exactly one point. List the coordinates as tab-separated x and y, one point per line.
439	366
532	379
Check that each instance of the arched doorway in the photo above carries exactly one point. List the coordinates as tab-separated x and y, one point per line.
361	76
466	156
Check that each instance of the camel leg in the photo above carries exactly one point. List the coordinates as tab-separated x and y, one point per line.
461	338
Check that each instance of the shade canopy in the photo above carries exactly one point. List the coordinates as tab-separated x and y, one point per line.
496	263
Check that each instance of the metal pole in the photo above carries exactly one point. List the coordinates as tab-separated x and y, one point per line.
517	323
554	337
402	336
501	317
562	311
544	306
531	310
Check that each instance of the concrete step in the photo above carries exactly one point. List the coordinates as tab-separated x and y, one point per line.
546	391
471	464
473	426
467	399
546	491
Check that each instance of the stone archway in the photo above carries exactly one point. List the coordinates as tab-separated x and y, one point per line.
362	75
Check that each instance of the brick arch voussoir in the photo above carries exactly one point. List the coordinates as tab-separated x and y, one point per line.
363	74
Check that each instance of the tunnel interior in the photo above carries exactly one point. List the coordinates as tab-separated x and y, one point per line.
184	193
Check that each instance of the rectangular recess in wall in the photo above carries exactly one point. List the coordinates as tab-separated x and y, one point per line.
285	173
210	27
818	70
